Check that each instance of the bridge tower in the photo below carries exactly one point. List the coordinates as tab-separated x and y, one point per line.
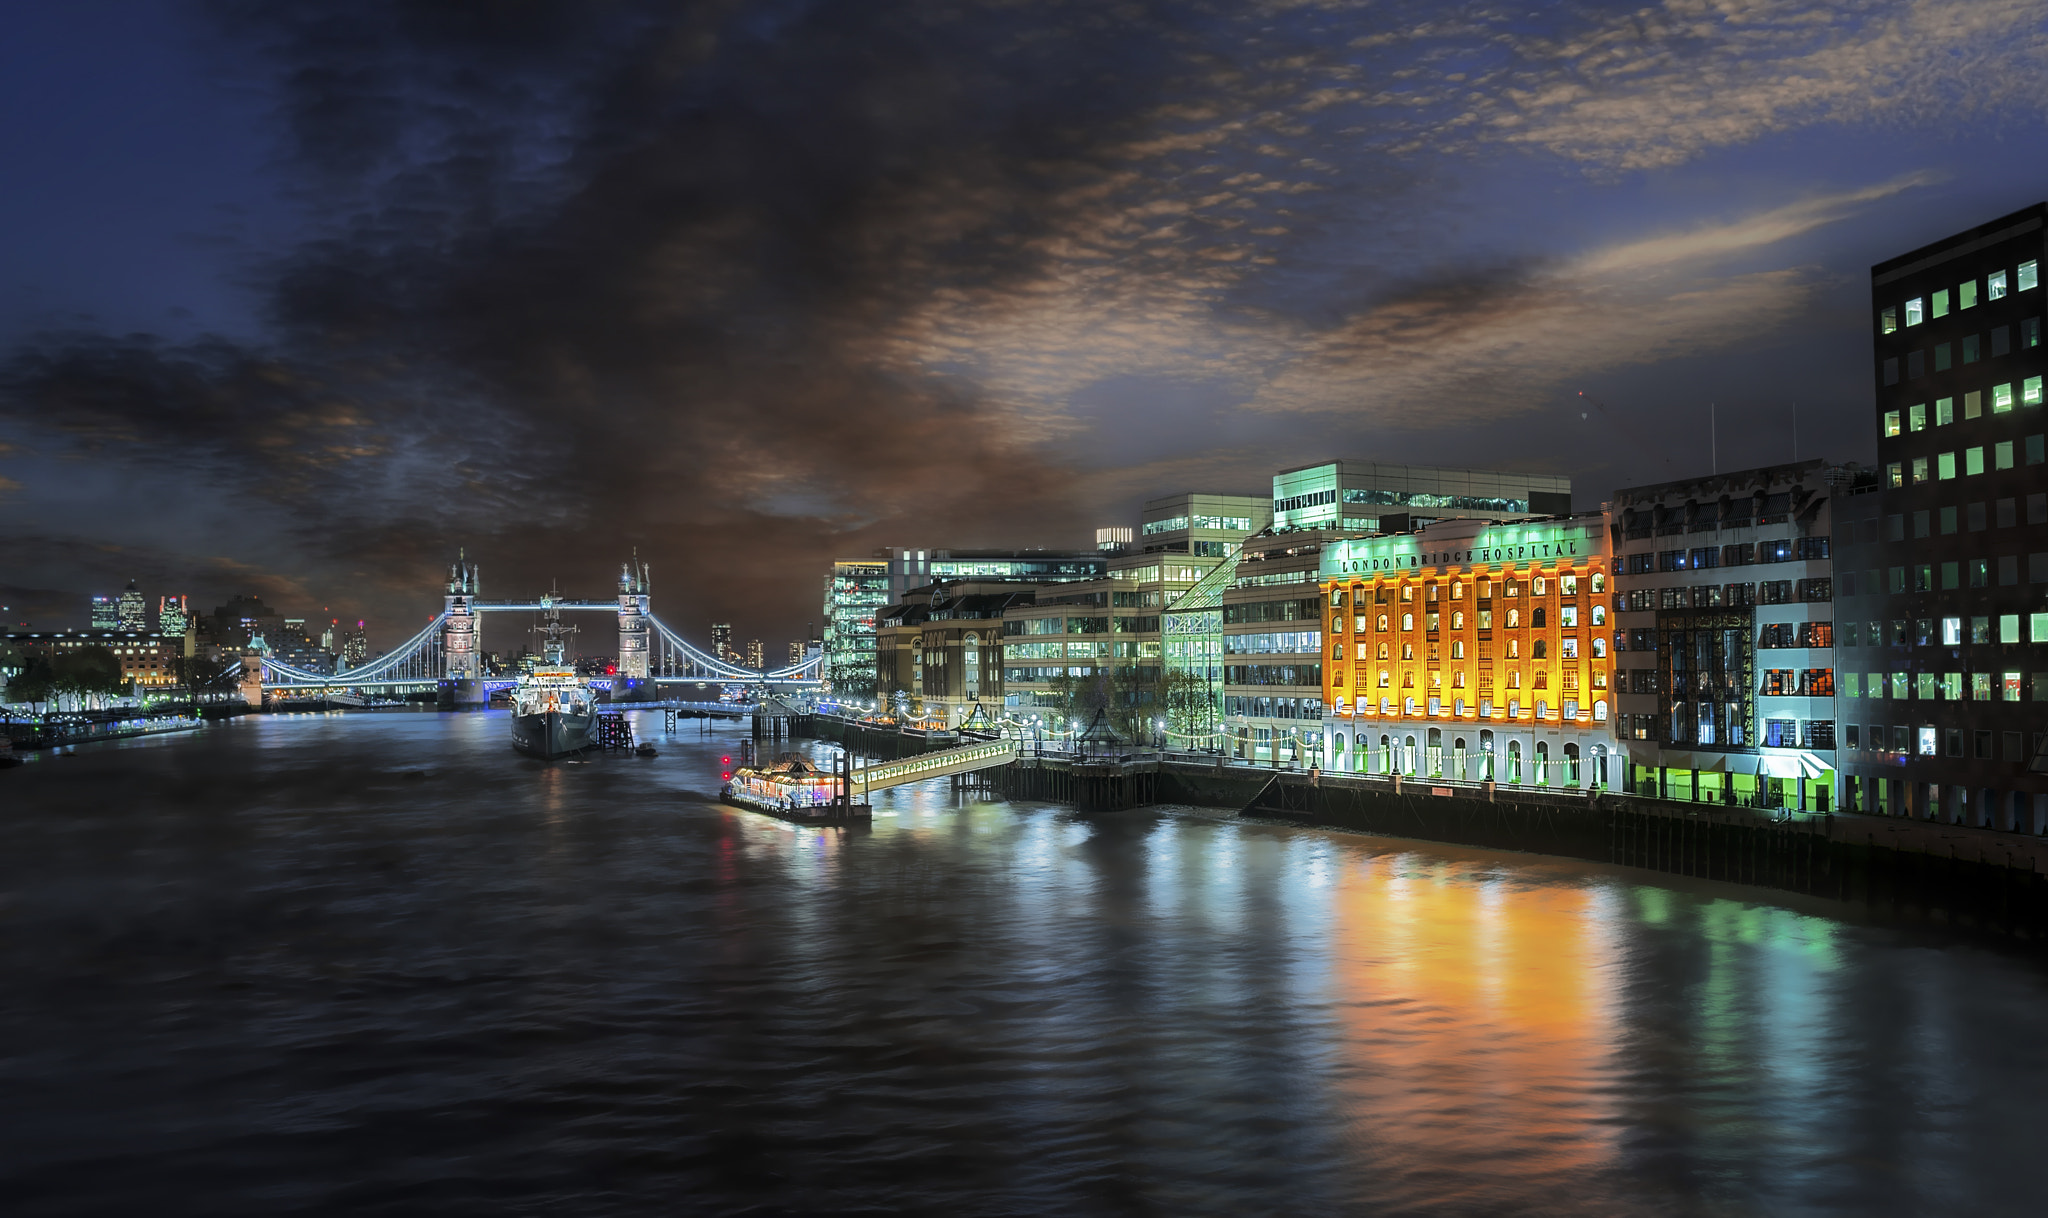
634	586
462	666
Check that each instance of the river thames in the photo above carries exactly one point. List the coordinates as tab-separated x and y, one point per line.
381	963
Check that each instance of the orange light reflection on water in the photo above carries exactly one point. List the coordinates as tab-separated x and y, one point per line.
1479	1021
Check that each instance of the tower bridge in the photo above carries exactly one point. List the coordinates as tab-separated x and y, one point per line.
447	653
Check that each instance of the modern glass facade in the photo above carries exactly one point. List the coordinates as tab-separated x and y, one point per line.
1357	495
854	592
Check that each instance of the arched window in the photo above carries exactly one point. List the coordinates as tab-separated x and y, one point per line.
1337	651
1514	712
1514	649
1457	589
1384	678
1542	712
1600	711
1383	651
1407	592
1383	621
1514	619
1599	581
1599	646
1599	615
1457	649
1458	708
1514	680
1541	650
1536	618
1407	680
1407	621
1458	620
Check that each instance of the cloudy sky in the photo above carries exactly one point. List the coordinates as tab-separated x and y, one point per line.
297	298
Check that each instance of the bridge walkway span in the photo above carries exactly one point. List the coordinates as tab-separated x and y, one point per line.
881	775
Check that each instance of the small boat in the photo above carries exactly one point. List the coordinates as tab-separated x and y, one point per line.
794	790
647	750
554	711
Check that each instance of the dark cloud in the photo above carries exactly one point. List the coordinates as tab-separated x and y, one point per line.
598	276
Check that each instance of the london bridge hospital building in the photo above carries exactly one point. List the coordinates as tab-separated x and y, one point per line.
1472	650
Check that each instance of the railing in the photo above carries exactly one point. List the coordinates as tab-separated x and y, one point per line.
895	773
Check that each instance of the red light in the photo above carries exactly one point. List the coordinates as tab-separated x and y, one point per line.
725	761
726	777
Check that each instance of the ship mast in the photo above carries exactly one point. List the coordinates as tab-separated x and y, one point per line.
553	651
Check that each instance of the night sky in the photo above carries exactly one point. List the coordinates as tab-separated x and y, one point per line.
297	298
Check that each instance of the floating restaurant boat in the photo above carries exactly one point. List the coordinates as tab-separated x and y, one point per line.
795	790
554	711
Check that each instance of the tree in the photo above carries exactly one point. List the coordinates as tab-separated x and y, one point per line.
89	672
35	684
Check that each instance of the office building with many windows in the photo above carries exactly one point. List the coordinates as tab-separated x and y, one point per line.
1724	606
1373	496
855	591
914	568
1947	666
1206	526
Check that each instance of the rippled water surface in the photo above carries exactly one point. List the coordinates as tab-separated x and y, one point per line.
382	963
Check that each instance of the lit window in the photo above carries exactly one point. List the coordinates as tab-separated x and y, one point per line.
1944	411
1888	321
1895	475
1966	295
1973	461
2001	398
2030	391
2030	333
2037	628
1916	417
2029	276
1940	303
2002	455
1951	632
1994	286
1928	742
2008	627
1916	309
1946	464
1973	404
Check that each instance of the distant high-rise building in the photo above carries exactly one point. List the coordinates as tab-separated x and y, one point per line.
106	613
133	611
796	651
327	637
721	641
355	651
755	658
854	591
172	612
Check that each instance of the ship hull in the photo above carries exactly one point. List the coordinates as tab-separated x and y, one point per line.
551	734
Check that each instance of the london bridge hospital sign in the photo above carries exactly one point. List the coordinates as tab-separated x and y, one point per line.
1504	544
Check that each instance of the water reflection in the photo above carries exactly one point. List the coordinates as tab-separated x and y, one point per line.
382	961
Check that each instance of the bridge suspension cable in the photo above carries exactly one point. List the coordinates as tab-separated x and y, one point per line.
388	667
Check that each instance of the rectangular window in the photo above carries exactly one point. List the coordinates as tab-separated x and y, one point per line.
1972	348
1980	574
1891	371
2008	627
2029	275
1897	582
2009	686
1946	464
1942	360
1916	309
1902	687
1939	303
1895	475
1951	575
2037	627
1973	404
1994	287
1944	411
1930	742
1966	294
1891	423
2001	456
1920	523
1920	470
2030	333
1888	321
1976	517
2035	454
2008	570
1916	417
1980	630
2001	340
1951	632
2030	391
1948	521
1916	365
1928	686
2001	398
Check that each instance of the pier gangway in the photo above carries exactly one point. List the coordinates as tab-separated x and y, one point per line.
881	775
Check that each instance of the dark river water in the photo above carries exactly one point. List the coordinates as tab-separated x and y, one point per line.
382	963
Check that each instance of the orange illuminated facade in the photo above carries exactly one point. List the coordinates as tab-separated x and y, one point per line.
1469	650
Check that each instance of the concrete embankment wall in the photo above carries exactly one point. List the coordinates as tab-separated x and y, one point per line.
880	744
1922	870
